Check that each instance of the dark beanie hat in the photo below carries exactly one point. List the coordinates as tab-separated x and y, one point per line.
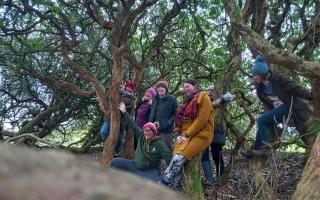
163	83
260	67
191	81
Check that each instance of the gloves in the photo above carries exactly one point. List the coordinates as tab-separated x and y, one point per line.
227	97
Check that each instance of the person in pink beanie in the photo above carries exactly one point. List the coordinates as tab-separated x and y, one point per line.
149	152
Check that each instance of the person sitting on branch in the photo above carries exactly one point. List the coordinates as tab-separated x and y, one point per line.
193	131
279	94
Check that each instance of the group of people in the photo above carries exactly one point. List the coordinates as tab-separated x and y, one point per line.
175	133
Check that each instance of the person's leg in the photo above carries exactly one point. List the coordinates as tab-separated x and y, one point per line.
152	174
266	120
104	131
207	168
173	174
120	141
124	164
167	139
205	156
216	150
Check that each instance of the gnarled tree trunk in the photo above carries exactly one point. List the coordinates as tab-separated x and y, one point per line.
308	187
192	185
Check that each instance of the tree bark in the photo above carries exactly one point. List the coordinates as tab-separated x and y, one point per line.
115	117
192	185
308	187
261	185
270	52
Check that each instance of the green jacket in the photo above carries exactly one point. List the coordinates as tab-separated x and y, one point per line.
148	153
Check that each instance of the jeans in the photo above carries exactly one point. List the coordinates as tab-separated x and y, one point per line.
104	131
216	151
130	166
268	120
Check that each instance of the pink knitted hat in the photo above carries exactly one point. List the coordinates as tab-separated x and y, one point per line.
152	126
151	91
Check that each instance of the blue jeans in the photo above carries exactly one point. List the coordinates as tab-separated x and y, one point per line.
104	131
130	166
266	121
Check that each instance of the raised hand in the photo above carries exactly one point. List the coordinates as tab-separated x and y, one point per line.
122	107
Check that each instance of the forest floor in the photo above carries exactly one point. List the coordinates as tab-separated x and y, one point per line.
282	170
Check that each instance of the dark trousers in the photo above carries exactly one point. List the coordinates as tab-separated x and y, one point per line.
216	152
130	166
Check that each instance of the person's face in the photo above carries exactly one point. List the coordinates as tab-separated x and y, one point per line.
129	89
188	89
148	134
259	79
147	96
161	90
210	93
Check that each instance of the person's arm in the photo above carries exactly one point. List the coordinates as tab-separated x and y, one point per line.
130	122
293	88
175	106
203	116
152	111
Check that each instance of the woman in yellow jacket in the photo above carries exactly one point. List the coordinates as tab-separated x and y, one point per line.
193	130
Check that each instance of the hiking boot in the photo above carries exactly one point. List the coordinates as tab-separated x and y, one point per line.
164	182
247	153
266	152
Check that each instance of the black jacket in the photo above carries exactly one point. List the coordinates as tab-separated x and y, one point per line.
163	110
286	89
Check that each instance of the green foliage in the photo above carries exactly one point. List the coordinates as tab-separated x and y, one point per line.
195	46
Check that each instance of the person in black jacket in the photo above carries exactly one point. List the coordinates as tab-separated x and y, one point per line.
279	94
219	140
163	111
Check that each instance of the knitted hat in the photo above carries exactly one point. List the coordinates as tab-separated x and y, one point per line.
152	126
130	84
260	67
211	88
163	83
191	81
151	91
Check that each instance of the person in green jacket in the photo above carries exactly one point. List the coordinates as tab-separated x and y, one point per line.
150	150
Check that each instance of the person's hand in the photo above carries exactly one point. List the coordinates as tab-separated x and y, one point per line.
157	124
122	107
150	102
181	139
216	103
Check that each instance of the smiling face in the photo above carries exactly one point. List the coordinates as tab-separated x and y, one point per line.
148	134
128	89
188	89
210	93
161	90
147	96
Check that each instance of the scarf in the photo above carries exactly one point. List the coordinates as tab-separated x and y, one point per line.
187	110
